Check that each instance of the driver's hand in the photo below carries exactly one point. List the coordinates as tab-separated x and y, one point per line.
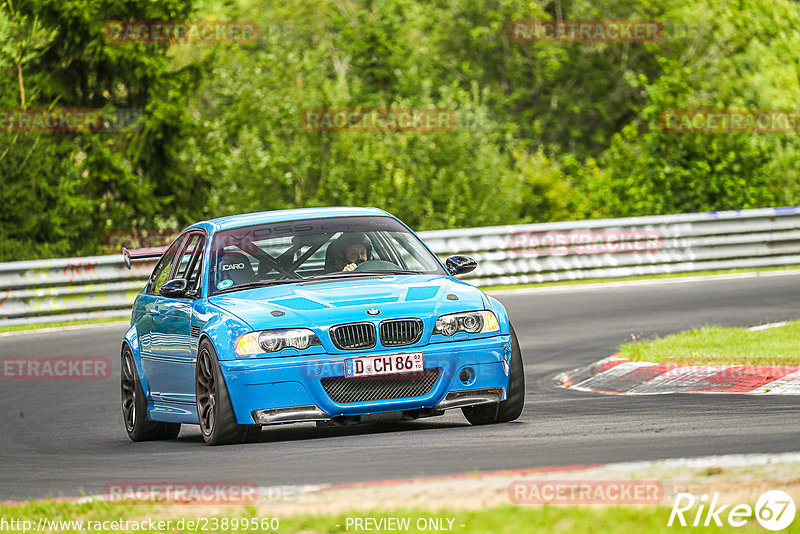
350	267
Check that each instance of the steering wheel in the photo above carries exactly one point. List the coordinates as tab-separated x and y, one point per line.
377	265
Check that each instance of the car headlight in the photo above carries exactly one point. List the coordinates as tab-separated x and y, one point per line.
471	322
275	340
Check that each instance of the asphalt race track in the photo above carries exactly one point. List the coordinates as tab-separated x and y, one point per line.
67	437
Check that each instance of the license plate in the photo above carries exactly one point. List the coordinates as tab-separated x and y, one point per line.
388	364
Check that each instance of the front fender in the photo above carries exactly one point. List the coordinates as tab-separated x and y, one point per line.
222	330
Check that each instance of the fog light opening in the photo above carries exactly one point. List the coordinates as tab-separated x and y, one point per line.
467	376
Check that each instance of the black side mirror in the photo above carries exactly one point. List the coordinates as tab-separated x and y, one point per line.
460	264
175	288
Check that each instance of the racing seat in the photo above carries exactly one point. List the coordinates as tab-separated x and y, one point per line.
235	266
334	257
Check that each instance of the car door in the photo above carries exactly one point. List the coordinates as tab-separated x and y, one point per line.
146	306
171	341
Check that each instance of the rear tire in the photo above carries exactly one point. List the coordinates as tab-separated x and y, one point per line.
511	408
214	410
134	406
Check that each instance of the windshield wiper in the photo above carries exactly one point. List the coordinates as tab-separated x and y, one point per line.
260	283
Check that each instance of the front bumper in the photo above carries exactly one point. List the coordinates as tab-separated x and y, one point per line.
290	389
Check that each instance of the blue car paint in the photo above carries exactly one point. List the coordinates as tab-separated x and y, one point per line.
289	377
131	340
296	380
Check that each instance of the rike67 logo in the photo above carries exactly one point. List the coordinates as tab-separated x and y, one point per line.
774	510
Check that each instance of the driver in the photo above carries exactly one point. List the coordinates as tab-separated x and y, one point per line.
355	254
355	248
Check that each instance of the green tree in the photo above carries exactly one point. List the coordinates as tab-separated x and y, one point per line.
66	190
742	58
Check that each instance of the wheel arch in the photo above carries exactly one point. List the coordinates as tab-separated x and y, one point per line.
222	331
204	336
131	340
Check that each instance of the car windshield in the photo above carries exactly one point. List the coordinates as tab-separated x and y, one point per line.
313	249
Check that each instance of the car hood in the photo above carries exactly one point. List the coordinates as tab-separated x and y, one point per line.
328	302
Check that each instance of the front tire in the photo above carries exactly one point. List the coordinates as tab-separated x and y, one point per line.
134	406
214	410
511	408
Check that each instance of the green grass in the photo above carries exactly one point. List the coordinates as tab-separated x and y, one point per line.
504	519
721	346
21	327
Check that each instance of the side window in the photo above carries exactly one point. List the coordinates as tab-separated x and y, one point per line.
194	273
161	273
191	260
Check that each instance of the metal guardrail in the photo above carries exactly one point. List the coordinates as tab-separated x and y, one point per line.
101	286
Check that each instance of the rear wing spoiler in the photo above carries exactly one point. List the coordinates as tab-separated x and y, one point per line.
141	254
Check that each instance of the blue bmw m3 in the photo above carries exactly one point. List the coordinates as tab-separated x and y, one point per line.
333	315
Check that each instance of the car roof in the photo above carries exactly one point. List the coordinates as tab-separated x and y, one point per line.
246	219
